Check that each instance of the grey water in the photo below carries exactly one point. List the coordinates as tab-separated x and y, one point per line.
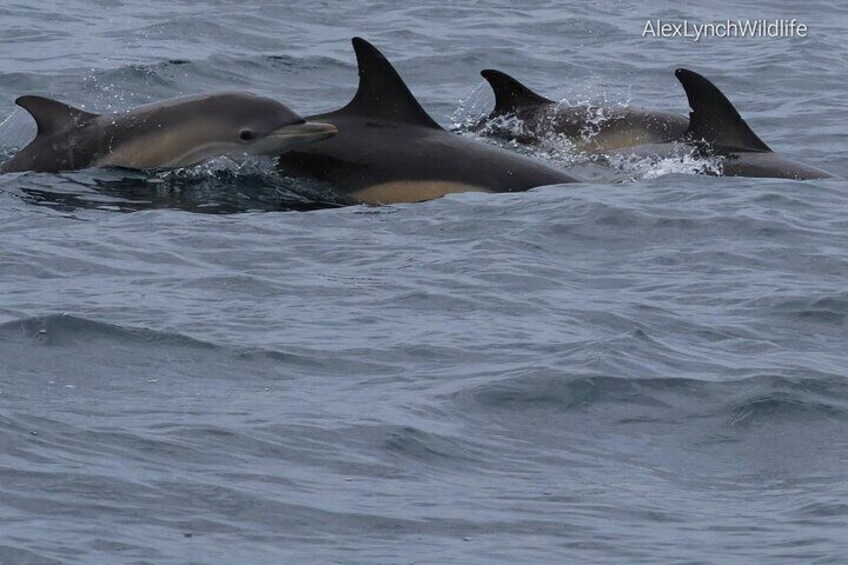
195	367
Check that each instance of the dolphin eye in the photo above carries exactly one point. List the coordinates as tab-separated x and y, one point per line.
245	135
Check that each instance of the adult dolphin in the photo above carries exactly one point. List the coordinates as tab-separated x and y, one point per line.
714	128
717	129
389	149
173	133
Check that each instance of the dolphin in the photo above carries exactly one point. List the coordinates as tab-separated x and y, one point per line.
172	133
714	128
390	150
590	129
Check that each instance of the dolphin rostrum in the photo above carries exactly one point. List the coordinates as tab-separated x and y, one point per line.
172	133
389	149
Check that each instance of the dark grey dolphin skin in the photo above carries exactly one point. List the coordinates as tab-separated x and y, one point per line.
389	149
173	133
714	128
717	129
591	129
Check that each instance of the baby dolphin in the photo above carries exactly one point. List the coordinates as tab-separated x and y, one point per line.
173	133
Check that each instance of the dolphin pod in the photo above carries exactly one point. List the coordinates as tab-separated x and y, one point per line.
173	133
714	128
383	147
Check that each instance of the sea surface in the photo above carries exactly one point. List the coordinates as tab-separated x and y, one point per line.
198	367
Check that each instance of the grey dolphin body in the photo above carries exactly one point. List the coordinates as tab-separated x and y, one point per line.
389	149
714	128
591	129
173	133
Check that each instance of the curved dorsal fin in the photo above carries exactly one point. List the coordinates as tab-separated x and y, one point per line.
511	95
713	118
382	94
51	115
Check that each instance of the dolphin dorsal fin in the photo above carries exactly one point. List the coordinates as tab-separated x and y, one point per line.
511	95
713	118
382	94
51	115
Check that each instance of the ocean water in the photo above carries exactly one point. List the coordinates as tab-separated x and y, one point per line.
194	369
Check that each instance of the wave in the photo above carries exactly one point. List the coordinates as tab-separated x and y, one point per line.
826	308
65	348
66	329
219	186
741	402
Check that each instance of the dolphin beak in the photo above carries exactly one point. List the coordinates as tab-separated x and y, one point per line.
307	131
